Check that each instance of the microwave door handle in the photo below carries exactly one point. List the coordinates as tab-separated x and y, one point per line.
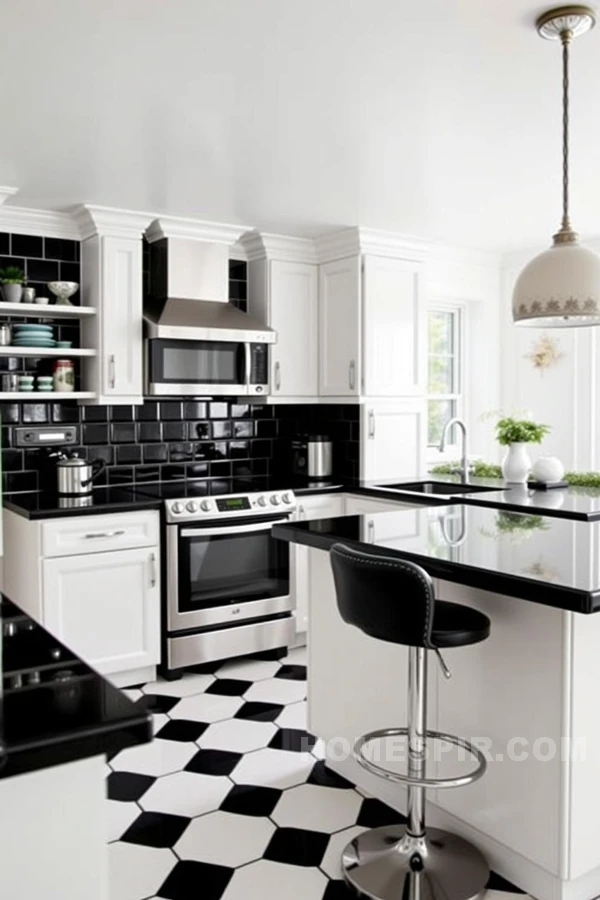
247	366
235	529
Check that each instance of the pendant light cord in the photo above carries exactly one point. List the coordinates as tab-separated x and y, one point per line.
566	41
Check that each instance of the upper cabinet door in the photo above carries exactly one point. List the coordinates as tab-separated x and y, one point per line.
294	316
394	318
392	439
339	328
122	374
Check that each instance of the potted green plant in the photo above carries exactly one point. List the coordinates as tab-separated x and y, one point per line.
12	279
516	434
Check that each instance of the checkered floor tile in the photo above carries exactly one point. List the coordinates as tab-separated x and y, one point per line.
231	800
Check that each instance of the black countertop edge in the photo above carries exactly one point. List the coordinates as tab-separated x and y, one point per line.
530	508
546	594
41	505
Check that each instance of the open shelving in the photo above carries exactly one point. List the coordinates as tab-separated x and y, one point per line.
39	352
49	311
43	396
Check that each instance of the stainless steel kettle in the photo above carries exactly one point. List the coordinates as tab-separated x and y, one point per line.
76	476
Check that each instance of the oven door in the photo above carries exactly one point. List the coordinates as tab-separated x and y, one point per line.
222	575
179	368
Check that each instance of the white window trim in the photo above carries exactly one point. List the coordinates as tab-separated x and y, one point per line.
452	451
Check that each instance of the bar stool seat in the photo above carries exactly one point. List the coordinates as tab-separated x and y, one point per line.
393	600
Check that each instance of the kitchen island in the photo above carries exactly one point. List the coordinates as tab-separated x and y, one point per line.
527	695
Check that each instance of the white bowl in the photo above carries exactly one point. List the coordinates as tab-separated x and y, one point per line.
63	289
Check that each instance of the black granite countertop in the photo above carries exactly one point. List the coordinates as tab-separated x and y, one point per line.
547	560
49	505
55	709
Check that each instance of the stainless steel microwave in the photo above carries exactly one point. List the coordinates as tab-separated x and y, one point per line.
221	368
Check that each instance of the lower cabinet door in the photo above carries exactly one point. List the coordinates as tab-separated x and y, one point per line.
106	607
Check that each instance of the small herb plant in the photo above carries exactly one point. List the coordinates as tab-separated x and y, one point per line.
509	522
12	275
520	431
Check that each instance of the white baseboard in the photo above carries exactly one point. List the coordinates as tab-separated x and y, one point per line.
135	676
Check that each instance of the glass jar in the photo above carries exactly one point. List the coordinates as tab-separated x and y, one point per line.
64	375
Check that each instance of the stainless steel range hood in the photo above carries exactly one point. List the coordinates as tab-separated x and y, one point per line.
189	282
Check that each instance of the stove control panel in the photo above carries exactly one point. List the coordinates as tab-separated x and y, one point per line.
230	506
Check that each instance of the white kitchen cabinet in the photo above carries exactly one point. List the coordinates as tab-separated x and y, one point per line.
105	607
392	439
315	506
339	328
284	294
359	505
112	281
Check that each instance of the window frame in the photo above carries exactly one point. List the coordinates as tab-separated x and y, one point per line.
460	337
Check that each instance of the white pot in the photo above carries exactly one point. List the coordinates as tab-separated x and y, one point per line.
12	292
516	465
548	469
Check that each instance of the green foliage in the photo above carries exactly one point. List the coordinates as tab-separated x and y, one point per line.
12	275
508	522
481	469
513	431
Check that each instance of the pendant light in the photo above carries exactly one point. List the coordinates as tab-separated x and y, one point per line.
561	287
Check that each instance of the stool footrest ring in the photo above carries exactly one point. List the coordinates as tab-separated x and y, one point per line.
458	781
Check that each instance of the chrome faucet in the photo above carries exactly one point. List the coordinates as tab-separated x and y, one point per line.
464	467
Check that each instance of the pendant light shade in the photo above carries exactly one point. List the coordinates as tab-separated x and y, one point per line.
561	287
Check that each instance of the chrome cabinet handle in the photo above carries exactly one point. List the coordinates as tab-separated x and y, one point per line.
352	375
278	376
113	370
371	424
153	570
104	534
300	512
371	532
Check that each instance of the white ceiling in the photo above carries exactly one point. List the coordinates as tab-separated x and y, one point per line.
439	119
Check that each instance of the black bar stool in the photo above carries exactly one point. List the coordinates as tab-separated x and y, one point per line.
393	600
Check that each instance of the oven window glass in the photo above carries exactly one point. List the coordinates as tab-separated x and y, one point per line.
218	570
197	362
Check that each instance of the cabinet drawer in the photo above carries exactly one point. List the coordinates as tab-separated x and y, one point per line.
97	534
321	506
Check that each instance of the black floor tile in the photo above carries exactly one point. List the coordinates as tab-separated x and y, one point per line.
326	777
292	739
259	712
157	703
294	673
156	830
339	890
297	847
248	800
128	786
230	687
182	730
213	762
373	814
190	880
498	883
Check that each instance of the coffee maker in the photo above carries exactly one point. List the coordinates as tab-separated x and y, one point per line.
312	457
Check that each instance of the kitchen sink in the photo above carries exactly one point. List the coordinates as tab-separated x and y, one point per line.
445	489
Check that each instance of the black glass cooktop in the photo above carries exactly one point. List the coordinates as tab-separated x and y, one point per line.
173	490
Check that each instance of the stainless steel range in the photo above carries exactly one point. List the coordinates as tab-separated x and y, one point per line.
227	589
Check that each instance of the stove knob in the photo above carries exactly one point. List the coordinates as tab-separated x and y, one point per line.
286	498
177	508
191	506
262	501
205	506
275	500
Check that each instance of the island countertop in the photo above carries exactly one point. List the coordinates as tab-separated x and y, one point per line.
542	559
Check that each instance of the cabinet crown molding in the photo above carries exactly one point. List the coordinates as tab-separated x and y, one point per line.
104	220
6	193
355	241
263	245
20	220
193	229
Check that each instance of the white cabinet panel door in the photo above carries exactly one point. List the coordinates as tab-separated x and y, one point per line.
294	316
394	310
339	328
106	607
393	439
320	506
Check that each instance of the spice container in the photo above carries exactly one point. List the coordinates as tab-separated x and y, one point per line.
64	375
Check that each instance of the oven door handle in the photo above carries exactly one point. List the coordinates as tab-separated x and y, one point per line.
237	529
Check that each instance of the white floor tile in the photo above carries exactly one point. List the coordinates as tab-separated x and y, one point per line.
186	794
225	839
133	693
277	690
275	880
318	751
273	768
293	716
189	684
238	735
296	657
137	871
157	758
248	670
206	708
317	808
119	817
333	855
158	721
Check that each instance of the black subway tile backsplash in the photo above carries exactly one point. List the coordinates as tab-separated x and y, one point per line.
4	243
66	251
122	433
43	270
27	245
149	432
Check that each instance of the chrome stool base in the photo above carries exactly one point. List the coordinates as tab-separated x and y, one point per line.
389	864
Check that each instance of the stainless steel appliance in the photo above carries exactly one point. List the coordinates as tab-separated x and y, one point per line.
227	590
75	476
312	457
196	341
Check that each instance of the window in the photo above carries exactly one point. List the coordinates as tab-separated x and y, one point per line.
445	376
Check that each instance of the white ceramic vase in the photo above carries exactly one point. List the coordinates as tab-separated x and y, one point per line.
516	465
11	293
